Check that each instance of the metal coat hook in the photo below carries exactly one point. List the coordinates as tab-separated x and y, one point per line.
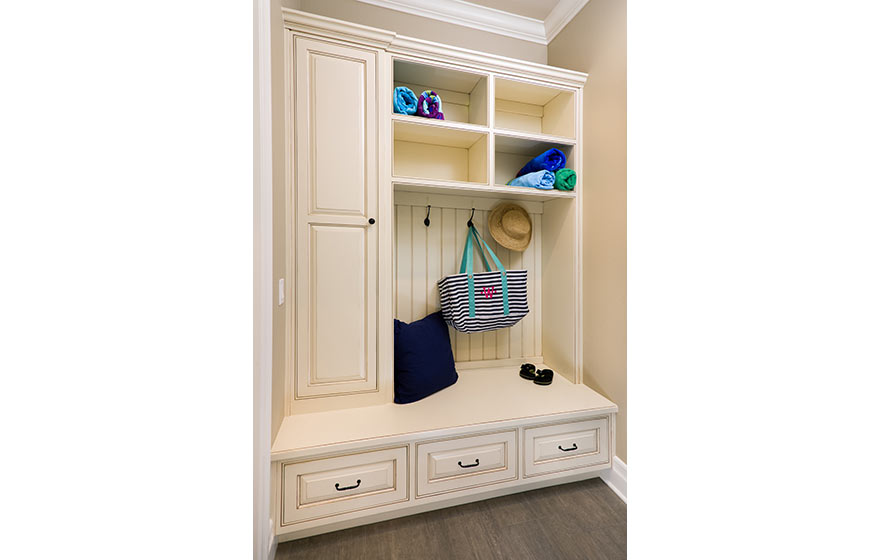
471	220
428	217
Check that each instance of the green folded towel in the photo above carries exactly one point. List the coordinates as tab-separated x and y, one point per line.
565	179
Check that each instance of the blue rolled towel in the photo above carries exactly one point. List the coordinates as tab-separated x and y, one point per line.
551	160
405	101
542	179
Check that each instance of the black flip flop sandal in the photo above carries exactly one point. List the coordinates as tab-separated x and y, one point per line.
544	377
527	371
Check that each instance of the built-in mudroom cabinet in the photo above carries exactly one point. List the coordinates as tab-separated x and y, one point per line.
359	180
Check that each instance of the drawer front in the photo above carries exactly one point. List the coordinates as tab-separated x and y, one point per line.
571	444
561	447
466	462
323	487
345	483
474	459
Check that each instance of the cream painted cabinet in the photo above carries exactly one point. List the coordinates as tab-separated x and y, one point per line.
335	202
345	454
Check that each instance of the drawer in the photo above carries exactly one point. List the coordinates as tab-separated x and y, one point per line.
561	447
322	487
465	462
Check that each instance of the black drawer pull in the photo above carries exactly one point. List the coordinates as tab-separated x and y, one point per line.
469	466
348	487
572	448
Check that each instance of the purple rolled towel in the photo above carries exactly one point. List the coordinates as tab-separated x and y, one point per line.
429	105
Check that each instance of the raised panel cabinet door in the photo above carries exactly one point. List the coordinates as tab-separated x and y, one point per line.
335	206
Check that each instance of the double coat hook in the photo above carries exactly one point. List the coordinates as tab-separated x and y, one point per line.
427	220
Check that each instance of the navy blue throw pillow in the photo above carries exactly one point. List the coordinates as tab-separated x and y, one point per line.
423	362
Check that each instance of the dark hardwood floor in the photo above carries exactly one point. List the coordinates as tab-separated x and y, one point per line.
579	520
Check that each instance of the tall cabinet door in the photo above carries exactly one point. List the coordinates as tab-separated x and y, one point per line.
335	198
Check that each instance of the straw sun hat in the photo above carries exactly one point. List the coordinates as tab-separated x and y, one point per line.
511	226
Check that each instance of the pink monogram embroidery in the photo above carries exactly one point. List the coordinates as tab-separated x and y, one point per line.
489	292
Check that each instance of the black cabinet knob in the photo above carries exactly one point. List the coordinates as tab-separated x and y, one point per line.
372	221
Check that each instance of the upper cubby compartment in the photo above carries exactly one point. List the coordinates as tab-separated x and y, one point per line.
513	151
440	151
463	95
533	108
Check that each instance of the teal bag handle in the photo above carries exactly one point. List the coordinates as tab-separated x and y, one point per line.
467	266
501	269
468	255
498	265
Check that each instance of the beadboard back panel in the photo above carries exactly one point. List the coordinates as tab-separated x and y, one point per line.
424	255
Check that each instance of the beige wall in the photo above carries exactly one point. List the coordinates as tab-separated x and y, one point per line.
595	42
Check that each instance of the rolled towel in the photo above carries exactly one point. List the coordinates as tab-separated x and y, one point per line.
551	160
542	179
429	105
566	179
405	101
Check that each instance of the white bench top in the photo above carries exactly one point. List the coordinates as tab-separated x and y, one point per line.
480	396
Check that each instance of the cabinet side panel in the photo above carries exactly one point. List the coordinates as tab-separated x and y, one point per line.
559	297
559	116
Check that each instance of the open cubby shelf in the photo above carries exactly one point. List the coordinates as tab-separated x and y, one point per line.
463	95
437	124
530	107
403	184
440	151
512	152
470	154
525	140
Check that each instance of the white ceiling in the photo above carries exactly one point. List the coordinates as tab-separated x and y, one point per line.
537	9
529	20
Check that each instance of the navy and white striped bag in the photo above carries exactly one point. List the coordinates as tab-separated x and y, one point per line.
483	301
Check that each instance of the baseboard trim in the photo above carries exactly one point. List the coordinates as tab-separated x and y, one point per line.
615	477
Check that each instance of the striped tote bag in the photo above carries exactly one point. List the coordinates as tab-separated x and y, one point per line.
483	301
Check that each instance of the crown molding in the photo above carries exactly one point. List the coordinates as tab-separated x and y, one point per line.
320	26
428	50
563	13
459	12
466	14
309	23
456	12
